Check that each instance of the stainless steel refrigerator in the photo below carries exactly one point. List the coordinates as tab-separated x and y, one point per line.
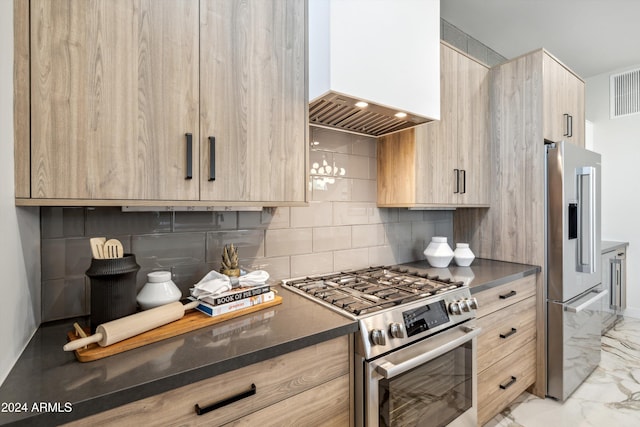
574	283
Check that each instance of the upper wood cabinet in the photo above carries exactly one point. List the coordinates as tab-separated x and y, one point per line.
253	100
563	94
444	163
181	102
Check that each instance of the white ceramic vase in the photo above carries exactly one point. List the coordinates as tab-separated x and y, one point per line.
438	252
463	255
158	290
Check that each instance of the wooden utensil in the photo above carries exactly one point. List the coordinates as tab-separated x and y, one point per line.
113	249
97	247
129	326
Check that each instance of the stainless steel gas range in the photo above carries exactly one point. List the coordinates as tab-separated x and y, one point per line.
415	352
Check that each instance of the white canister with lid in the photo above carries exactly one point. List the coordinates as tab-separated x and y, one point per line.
159	290
463	255
438	252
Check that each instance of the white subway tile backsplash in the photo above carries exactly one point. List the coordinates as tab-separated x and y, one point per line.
351	259
351	166
250	243
364	145
267	218
406	215
383	215
169	250
367	235
398	232
277	267
290	241
351	213
310	264
382	255
363	190
331	140
317	214
330	189
331	238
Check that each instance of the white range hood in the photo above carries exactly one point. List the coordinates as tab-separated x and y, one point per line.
385	53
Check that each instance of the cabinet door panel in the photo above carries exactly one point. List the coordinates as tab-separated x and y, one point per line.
436	142
555	99
114	88
473	132
253	99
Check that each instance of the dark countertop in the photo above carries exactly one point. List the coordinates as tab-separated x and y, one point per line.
481	274
607	245
70	390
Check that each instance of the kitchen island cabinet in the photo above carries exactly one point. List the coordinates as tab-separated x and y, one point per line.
306	387
189	102
445	163
273	348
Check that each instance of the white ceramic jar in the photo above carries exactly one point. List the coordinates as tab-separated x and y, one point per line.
463	255
438	252
158	290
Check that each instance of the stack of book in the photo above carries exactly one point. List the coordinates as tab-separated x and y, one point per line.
235	299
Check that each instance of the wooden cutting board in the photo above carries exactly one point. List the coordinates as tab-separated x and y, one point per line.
191	321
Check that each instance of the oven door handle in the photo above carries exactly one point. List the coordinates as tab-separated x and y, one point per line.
389	369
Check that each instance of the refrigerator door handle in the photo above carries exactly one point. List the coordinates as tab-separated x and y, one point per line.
586	256
584	305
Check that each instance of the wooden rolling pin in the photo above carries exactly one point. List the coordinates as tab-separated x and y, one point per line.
129	326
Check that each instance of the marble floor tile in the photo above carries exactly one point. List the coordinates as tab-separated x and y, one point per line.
609	397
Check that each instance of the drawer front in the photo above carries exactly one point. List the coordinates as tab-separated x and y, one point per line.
505	331
502	296
325	405
275	379
501	383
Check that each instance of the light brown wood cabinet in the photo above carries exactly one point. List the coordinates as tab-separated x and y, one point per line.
138	102
563	107
311	386
507	344
442	163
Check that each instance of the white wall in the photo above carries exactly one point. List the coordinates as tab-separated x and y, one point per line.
618	140
19	227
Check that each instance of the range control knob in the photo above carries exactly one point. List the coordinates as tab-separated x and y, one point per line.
473	303
454	308
464	304
378	337
396	331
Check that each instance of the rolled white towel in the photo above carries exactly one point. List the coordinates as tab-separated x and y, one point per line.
215	283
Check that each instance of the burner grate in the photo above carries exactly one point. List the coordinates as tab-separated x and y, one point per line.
373	289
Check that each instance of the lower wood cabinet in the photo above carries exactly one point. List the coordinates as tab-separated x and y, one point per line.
307	387
507	344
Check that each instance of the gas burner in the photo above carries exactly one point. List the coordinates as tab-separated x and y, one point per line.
372	289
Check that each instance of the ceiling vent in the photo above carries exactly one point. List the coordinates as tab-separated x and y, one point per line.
625	93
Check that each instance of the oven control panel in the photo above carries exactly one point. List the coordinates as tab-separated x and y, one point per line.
426	317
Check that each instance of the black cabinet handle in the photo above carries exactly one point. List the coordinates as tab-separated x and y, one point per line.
509	383
212	158
189	156
457	172
570	126
508	334
227	401
509	295
464	181
566	125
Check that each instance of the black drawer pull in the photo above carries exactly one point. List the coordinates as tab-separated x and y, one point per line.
212	158
225	402
509	295
508	334
189	156
464	181
566	125
509	383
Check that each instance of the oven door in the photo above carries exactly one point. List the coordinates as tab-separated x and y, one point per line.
430	383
